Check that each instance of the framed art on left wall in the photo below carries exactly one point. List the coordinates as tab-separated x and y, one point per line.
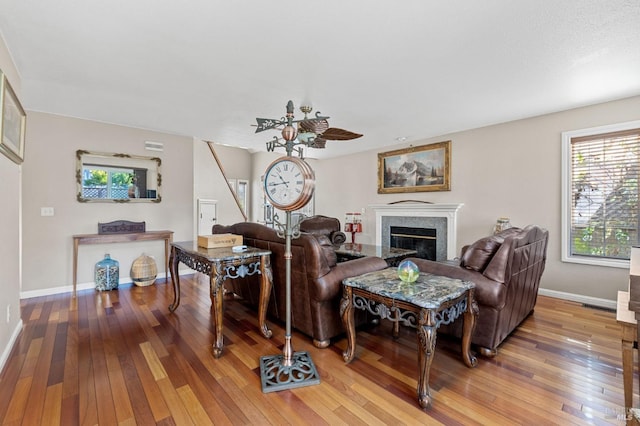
13	121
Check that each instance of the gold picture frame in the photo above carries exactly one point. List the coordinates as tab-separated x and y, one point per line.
13	121
415	169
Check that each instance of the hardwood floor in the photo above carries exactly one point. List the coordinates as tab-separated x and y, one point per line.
120	357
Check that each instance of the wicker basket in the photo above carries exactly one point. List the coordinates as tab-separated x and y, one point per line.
144	271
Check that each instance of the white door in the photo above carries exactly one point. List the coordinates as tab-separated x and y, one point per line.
206	215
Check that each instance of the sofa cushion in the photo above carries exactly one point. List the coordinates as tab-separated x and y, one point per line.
478	255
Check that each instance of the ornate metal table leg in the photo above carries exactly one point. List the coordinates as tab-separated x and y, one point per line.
469	318
426	347
266	282
217	304
175	279
346	312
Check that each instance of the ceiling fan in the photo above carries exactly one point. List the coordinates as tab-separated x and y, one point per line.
313	132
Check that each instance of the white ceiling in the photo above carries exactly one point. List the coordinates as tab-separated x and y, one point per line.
387	69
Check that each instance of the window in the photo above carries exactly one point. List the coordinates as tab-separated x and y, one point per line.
600	194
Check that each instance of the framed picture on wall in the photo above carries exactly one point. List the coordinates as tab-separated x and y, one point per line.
12	123
415	169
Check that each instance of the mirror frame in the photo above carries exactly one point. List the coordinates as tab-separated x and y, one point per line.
81	153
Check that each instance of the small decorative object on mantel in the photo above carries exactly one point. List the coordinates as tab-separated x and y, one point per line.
121	227
107	273
144	271
502	224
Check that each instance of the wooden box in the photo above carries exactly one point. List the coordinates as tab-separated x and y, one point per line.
219	240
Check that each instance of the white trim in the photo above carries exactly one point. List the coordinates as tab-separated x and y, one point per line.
566	193
587	300
10	344
83	286
449	211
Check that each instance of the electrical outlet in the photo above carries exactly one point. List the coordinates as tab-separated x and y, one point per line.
8	314
46	211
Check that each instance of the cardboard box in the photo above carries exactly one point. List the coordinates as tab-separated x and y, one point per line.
219	240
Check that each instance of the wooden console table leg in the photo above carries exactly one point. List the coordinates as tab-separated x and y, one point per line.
167	241
346	312
426	347
75	265
266	282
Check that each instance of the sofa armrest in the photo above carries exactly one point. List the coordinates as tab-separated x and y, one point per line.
488	292
329	285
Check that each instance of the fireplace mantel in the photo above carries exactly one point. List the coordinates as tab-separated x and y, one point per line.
420	210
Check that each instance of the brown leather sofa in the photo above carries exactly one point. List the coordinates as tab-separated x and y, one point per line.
506	269
316	279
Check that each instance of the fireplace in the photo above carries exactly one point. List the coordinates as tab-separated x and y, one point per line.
423	240
441	217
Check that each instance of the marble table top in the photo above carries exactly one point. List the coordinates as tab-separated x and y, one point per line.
429	291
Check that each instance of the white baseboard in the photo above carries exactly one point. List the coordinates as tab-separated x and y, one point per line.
587	300
83	286
12	341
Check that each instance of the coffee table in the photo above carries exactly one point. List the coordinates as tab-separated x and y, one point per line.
220	264
431	301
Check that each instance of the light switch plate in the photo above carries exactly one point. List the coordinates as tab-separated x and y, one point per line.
46	211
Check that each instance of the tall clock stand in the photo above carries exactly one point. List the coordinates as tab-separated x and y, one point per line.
290	369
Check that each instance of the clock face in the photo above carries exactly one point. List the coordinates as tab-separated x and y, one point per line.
289	183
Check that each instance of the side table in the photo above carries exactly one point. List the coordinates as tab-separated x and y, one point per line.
220	264
426	304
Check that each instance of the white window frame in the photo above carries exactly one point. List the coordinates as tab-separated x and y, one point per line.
567	198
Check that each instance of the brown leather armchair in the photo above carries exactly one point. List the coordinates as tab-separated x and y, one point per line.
324	225
316	279
506	269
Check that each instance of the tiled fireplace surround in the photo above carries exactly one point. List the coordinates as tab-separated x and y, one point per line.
441	217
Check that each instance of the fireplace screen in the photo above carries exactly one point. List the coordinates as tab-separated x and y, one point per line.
423	240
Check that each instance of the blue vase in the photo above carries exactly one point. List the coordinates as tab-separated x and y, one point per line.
107	273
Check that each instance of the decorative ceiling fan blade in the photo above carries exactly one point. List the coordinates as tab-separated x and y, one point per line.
267	124
313	126
335	134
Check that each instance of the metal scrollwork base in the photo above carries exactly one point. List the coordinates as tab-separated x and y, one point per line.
277	376
408	318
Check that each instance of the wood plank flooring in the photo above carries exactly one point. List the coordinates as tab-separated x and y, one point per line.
120	357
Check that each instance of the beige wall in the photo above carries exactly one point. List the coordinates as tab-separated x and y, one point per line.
49	181
209	183
10	182
511	169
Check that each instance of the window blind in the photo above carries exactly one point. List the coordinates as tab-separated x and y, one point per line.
604	189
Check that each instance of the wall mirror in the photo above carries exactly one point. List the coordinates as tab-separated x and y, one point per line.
117	178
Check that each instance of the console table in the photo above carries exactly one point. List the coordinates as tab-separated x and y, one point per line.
220	264
431	301
79	239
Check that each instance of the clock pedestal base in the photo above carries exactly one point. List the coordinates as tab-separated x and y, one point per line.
276	375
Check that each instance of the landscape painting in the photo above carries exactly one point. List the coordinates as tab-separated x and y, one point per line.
415	169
